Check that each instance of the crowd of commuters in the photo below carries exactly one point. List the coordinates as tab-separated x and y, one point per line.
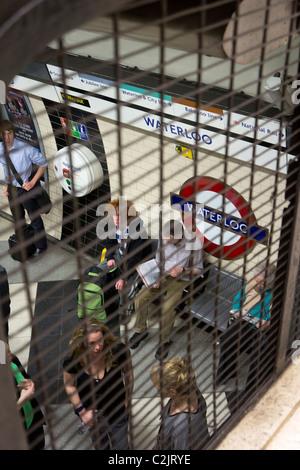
97	371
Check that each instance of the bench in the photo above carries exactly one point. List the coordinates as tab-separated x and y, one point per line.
214	304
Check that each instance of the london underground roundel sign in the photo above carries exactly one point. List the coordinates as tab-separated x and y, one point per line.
224	219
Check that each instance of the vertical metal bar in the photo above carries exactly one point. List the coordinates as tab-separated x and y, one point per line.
289	249
164	9
290	285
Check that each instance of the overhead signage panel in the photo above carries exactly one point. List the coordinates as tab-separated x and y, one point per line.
82	81
264	130
208	129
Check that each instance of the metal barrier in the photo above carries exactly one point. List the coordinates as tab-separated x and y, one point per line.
192	115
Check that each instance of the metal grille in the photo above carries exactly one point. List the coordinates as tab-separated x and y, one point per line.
194	105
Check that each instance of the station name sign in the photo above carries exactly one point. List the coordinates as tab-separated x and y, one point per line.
215	217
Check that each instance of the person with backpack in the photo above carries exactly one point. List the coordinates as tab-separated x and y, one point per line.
98	297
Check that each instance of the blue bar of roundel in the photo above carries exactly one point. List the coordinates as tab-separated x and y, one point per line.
257	233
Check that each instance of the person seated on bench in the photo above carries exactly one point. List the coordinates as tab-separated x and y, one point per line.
247	326
175	254
127	244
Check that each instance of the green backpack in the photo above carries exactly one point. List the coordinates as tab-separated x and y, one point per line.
91	296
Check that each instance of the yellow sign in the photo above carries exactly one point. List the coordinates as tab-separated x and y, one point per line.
75	99
185	152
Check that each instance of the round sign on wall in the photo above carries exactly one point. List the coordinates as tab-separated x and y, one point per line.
81	172
224	220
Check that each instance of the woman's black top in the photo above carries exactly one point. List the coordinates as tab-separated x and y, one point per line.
106	394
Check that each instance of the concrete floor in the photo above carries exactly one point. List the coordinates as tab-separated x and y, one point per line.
274	423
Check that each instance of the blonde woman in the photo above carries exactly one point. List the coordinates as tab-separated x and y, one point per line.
184	424
98	380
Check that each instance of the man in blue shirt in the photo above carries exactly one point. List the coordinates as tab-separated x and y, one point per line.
23	156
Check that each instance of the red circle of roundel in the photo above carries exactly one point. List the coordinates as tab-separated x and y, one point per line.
191	187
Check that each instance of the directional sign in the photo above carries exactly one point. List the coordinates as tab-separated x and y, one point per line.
82	131
75	129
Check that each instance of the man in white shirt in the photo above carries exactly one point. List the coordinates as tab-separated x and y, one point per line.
179	261
23	157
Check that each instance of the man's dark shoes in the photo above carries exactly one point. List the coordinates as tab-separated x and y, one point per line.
136	339
163	350
124	315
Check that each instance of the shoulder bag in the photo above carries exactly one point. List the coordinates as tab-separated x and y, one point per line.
41	196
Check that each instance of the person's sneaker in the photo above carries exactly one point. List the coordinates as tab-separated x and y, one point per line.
163	350
37	254
124	319
136	339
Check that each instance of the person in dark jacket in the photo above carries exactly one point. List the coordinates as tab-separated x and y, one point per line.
127	244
